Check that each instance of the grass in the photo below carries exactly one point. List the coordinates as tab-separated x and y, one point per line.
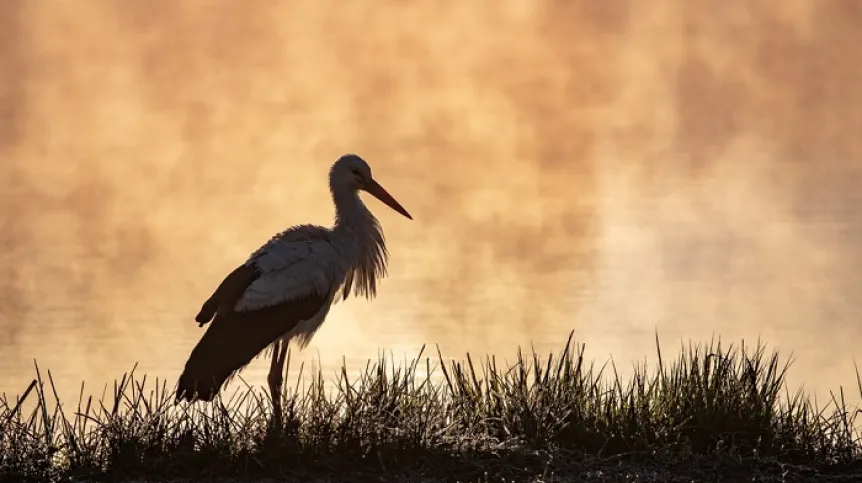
714	410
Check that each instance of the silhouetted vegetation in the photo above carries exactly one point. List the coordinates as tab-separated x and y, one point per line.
713	411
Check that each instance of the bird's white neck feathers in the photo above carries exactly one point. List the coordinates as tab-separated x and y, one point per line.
361	239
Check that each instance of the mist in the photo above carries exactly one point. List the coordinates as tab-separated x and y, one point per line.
613	168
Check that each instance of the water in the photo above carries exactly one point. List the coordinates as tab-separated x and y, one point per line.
614	170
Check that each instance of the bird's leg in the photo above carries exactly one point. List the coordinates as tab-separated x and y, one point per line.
276	379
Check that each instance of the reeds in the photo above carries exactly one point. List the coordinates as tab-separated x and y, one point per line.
539	414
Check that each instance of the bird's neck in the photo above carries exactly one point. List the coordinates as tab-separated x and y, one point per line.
353	218
360	242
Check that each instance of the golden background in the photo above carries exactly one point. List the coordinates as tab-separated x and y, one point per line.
612	168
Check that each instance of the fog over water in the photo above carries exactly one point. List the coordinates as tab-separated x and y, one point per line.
612	168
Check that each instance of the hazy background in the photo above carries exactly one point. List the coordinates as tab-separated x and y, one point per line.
614	168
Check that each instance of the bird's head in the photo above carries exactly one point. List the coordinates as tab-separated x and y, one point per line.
352	172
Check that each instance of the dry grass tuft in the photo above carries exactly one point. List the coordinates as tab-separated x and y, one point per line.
540	416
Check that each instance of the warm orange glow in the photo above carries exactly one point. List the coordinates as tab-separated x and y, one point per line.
609	167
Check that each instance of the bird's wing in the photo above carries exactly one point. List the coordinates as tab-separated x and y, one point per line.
288	265
228	292
295	264
287	289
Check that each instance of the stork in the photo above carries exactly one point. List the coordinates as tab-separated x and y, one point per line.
285	289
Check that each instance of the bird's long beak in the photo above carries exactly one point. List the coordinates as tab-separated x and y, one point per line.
374	188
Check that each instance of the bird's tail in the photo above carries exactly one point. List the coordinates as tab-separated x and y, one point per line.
223	351
232	340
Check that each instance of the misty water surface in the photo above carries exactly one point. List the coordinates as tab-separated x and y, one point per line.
613	168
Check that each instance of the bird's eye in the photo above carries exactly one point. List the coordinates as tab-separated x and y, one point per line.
357	173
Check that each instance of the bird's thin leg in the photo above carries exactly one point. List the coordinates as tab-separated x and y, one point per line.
275	381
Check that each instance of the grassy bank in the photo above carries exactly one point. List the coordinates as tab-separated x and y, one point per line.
713	410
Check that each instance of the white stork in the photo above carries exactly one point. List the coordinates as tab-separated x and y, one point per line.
285	289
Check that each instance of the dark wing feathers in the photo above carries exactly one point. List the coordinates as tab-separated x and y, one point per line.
228	292
234	339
